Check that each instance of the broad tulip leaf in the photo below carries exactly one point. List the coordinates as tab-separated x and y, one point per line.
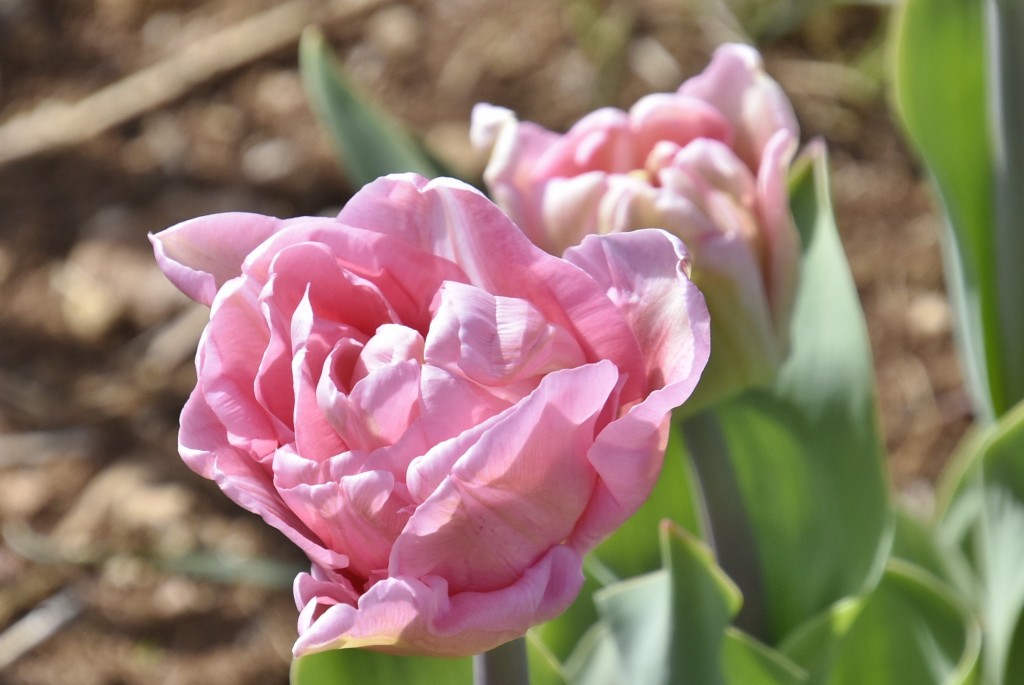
745	661
363	667
817	643
662	628
704	601
369	142
981	528
545	668
910	630
939	88
813	521
915	542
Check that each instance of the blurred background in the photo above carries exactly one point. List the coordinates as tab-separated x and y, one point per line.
122	117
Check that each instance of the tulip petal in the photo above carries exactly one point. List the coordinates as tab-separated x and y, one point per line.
736	84
645	273
228	363
200	255
515	492
406	615
667	117
502	343
455	221
205	447
515	149
780	229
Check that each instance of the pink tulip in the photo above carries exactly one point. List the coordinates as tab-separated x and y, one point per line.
442	416
708	163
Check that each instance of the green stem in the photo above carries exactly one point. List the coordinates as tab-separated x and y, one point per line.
731	535
503	665
1004	26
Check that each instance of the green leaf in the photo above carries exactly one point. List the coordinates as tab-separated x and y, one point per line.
807	520
910	630
939	88
703	602
545	668
981	528
745	661
666	627
816	644
915	542
363	667
369	142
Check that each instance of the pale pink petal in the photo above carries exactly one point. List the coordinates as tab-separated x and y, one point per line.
204	446
405	276
500	342
360	512
600	141
314	355
570	209
735	82
200	255
646	274
627	457
779	228
666	117
515	148
450	404
227	365
387	401
515	492
390	344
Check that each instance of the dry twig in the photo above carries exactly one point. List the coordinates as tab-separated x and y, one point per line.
51	126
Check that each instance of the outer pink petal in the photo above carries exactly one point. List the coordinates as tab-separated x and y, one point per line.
417	616
204	446
678	119
513	494
646	274
515	148
780	230
199	255
228	362
601	141
735	83
671	321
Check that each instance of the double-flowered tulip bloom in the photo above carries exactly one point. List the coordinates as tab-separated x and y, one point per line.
443	416
709	163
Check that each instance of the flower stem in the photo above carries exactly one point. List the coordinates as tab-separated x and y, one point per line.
503	665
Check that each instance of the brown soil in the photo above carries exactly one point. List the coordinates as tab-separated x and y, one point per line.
96	509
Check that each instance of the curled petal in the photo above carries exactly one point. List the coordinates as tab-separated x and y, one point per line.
200	255
497	342
515	492
646	274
